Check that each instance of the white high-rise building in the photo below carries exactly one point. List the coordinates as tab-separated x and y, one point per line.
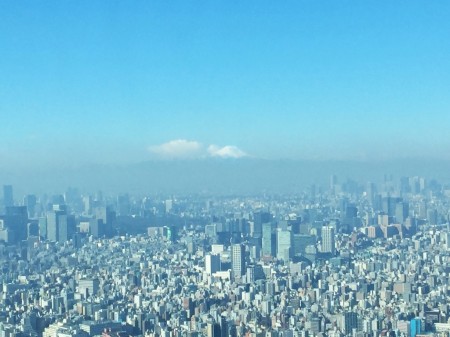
328	241
238	260
212	263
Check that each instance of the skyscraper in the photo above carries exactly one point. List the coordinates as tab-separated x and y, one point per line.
300	242
283	245
43	227
238	260
259	219
60	225
328	244
52	225
401	211
107	217
8	199
267	238
30	201
389	205
212	263
415	327
16	220
350	322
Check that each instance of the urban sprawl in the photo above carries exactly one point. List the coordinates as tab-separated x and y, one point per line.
348	259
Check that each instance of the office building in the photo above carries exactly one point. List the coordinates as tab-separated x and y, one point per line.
212	263
107	217
16	220
60	225
415	327
259	218
88	286
30	202
283	245
401	212
238	260
268	240
328	240
350	322
43	227
8	199
300	242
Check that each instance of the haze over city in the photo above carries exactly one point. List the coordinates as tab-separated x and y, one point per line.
87	86
224	169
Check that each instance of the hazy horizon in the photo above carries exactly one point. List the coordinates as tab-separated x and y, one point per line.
217	176
116	83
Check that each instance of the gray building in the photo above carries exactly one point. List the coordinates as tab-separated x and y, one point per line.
238	260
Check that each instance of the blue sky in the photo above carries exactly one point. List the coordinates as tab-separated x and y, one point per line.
124	81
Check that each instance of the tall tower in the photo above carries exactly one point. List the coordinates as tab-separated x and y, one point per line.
267	239
8	199
60	225
107	217
30	201
328	244
238	260
259	219
283	245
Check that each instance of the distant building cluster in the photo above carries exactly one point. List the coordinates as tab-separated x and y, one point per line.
349	259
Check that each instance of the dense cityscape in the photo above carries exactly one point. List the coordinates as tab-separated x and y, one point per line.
250	168
348	259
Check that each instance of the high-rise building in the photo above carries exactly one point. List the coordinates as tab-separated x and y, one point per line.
190	244
30	202
212	329
52	225
328	240
415	327
432	216
107	217
6	234
97	228
259	218
371	191
123	204
267	239
283	245
350	322
212	263
43	227
404	185
388	205
88	286
401	212
16	220
60	225
8	199
87	204
300	242
211	230
33	229
447	240
238	260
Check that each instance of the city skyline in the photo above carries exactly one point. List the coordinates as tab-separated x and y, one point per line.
224	169
115	83
360	260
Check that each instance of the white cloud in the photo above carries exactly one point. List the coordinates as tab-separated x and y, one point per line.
188	149
228	151
178	148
